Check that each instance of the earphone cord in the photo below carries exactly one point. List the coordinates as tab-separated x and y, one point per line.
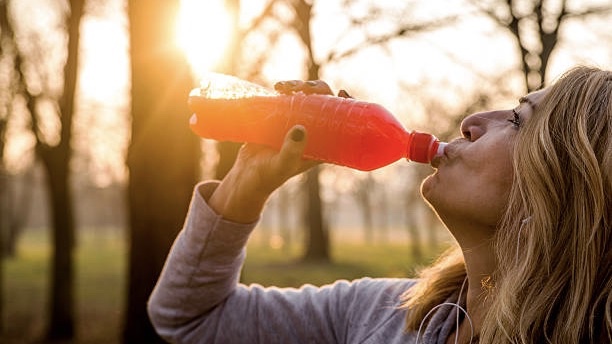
467	316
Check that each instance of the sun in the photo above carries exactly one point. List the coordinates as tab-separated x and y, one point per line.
203	33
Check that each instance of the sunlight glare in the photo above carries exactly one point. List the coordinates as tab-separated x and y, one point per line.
203	33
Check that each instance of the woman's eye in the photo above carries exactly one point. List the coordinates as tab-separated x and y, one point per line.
516	120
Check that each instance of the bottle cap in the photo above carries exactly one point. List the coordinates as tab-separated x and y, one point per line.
423	147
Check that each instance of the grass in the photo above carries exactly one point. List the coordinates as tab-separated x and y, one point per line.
100	279
99	285
349	261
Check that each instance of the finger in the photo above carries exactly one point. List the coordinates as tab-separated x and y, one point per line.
307	87
344	94
316	87
288	86
293	148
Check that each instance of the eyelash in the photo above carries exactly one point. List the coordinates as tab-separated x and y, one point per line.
517	121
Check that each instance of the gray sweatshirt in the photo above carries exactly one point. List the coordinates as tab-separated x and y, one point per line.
198	298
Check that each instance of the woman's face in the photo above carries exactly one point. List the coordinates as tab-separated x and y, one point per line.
472	180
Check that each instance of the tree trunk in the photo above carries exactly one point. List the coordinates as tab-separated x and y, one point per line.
4	212
317	244
3	230
163	156
56	160
283	219
61	300
317	240
364	199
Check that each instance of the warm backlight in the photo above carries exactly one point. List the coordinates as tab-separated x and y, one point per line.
203	32
222	86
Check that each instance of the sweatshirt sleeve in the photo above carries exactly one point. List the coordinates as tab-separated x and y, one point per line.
198	299
201	270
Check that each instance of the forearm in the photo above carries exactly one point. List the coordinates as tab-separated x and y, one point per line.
202	268
237	202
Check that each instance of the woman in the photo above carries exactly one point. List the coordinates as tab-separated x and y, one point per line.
525	192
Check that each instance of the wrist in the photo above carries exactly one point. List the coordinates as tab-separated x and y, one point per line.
237	202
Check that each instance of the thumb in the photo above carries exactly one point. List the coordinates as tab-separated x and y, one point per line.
293	147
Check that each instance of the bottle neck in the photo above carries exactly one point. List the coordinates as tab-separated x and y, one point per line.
424	147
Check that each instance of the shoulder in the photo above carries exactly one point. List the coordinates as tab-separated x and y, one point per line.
373	308
377	291
374	286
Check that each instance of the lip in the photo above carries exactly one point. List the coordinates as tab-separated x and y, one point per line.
435	162
449	152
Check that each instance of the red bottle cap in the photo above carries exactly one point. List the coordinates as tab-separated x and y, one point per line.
423	147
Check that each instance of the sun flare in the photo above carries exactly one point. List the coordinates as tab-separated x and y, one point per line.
203	33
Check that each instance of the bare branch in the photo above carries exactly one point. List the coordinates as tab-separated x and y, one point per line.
600	10
267	13
21	86
490	13
401	32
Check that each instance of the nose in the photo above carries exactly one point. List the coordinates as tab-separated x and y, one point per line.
476	125
472	127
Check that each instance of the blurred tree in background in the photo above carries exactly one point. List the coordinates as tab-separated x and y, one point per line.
163	154
536	27
34	80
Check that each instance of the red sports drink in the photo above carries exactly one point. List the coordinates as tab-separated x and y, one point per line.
342	131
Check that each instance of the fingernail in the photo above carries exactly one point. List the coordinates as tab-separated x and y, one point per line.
344	94
297	135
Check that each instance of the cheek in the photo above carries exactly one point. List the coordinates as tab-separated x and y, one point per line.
488	181
489	168
474	186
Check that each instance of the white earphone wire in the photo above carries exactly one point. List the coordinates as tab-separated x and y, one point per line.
467	316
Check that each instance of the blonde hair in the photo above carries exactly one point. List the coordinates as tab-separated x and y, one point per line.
553	245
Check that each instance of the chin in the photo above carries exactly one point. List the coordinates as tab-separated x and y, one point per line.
428	187
438	196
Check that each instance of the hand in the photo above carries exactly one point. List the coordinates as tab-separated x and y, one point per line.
307	87
257	172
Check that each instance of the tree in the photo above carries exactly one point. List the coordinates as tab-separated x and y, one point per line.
163	156
56	159
535	25
317	246
55	154
317	240
4	116
364	194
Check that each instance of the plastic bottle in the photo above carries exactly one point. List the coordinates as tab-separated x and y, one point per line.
342	131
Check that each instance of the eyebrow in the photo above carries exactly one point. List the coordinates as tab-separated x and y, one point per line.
524	99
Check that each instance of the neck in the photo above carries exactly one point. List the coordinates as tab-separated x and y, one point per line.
480	263
479	266
476	242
